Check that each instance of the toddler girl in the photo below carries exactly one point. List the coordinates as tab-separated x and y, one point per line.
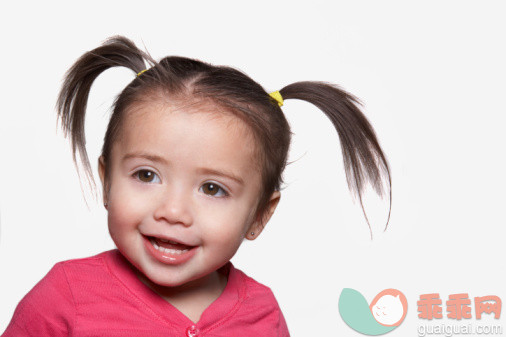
191	166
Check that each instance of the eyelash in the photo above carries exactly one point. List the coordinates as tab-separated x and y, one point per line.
225	193
136	174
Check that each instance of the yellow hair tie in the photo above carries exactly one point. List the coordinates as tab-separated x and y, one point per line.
141	72
277	96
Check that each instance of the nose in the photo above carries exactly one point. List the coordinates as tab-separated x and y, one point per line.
174	207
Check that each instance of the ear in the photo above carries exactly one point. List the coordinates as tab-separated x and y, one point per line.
258	225
101	173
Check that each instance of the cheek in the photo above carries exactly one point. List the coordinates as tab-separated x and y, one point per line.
223	245
126	196
227	231
119	223
125	210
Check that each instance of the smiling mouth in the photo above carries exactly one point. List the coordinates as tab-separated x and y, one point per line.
168	246
168	251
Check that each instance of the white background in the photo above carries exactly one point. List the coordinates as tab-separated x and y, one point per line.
431	75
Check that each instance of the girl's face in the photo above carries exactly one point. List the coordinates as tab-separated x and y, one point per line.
186	176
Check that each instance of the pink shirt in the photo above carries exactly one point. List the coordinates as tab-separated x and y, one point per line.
101	296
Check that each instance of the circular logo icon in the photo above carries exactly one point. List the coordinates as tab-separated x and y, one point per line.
386	311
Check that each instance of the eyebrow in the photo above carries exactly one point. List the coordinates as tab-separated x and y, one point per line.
147	156
202	170
221	173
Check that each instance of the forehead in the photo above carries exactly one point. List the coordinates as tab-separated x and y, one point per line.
208	134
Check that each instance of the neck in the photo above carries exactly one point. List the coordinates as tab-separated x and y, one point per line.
193	297
214	282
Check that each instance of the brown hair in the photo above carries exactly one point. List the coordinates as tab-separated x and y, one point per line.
227	87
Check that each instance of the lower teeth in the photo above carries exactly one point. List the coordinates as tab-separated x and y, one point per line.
168	250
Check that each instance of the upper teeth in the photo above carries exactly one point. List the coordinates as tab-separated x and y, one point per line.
169	241
168	250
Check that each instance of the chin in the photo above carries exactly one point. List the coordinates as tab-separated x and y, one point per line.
168	278
167	282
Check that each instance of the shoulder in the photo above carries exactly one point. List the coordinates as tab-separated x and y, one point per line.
72	274
49	308
260	304
84	267
256	290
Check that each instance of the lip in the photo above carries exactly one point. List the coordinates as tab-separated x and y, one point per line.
167	258
168	238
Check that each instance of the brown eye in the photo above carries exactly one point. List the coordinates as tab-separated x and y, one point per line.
147	176
213	190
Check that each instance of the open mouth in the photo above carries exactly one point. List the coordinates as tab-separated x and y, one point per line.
169	246
169	251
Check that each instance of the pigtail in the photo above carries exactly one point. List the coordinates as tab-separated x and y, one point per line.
364	160
72	100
